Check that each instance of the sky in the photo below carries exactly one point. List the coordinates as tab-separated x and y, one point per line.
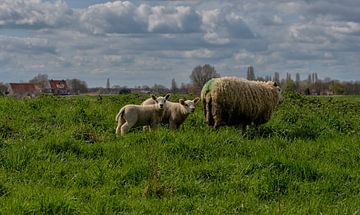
136	43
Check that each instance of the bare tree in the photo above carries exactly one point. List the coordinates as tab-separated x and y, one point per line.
42	80
250	73
276	77
77	86
174	87
201	74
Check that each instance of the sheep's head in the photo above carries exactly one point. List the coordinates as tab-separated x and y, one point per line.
189	104
279	92
161	101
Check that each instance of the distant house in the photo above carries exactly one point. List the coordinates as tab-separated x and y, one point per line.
59	87
23	90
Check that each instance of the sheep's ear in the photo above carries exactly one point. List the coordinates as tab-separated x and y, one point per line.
167	96
196	100
275	84
181	101
153	97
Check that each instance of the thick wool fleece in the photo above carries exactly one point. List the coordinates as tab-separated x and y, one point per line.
234	101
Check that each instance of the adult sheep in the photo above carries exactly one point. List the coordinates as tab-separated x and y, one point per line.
139	115
235	101
176	113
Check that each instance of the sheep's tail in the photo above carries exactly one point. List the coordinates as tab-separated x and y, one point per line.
206	99
120	114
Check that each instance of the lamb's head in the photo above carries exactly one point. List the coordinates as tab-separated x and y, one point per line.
189	104
161	101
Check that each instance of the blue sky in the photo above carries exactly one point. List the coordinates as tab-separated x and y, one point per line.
146	42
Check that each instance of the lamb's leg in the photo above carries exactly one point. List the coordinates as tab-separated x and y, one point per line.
126	127
121	121
173	125
153	126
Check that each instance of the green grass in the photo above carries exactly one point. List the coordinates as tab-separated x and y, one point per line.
60	155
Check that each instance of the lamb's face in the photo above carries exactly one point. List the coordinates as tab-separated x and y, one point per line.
189	104
161	101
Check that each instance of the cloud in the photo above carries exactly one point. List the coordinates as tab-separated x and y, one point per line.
199	53
126	17
112	17
346	10
34	14
222	25
141	42
26	45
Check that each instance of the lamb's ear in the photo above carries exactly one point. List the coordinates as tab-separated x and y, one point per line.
196	100
181	101
167	96
275	84
153	97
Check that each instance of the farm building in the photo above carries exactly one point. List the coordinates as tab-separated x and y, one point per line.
59	87
23	89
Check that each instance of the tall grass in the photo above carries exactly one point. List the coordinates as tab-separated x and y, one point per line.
60	155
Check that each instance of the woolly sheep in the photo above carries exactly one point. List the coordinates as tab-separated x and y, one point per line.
176	113
235	101
138	115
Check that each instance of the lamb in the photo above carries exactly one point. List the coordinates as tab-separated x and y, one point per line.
176	113
235	101
138	115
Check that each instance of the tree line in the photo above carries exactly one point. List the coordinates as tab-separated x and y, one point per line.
312	85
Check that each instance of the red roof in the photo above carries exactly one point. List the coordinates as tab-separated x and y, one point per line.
24	88
58	84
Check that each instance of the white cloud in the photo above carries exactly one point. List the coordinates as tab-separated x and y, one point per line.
199	53
34	13
111	17
220	26
173	19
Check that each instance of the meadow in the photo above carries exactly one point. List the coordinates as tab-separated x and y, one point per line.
60	155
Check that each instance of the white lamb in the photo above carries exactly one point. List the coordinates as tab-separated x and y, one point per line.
176	113
138	115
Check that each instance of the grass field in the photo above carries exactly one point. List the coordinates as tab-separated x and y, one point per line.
60	155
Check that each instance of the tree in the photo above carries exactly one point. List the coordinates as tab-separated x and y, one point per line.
158	88
108	84
201	74
3	89
297	78
337	88
250	73
288	77
289	86
174	87
77	86
41	80
276	77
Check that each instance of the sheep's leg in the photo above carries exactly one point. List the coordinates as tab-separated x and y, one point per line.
209	115
243	128
216	115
